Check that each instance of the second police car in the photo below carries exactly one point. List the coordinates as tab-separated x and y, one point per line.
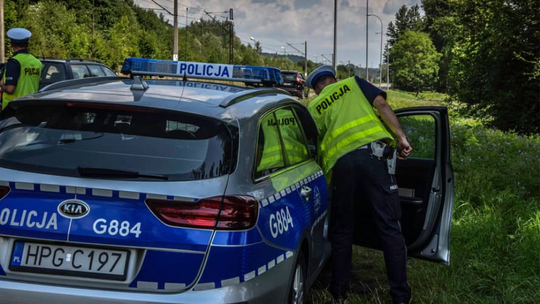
116	190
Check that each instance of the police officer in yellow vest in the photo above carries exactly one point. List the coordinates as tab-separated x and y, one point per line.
21	76
356	150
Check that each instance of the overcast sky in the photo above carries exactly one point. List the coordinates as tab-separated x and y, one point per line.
277	22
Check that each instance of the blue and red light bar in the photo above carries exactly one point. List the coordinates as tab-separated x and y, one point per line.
200	70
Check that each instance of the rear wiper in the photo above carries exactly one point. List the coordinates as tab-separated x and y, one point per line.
115	173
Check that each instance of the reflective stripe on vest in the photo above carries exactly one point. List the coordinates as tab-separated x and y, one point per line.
28	81
272	156
345	120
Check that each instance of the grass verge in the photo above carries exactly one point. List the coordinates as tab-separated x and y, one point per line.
495	240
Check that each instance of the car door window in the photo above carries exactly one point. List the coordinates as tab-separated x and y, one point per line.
421	133
80	71
95	70
307	124
108	72
291	134
281	142
269	150
53	72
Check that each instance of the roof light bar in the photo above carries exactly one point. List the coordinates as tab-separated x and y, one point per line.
199	70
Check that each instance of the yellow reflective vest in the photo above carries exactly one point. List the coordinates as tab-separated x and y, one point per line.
28	82
346	121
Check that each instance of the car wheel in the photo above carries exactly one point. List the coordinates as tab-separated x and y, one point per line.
298	282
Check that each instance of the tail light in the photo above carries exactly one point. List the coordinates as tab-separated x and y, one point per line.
227	213
298	79
4	190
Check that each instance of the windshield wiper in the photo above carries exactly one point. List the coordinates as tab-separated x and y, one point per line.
116	173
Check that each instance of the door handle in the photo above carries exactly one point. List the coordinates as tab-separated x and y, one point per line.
305	191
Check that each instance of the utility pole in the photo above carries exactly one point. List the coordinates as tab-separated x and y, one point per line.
186	42
175	20
231	36
367	25
2	43
387	64
305	58
93	13
175	26
334	55
380	60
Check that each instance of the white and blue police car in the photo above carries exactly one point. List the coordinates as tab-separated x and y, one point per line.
132	190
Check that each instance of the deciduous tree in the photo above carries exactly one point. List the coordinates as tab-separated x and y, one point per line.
415	61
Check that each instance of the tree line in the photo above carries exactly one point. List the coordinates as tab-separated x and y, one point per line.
111	30
485	54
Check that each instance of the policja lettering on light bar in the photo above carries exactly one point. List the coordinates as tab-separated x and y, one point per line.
205	69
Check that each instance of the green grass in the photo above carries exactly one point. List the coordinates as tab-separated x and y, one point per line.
495	238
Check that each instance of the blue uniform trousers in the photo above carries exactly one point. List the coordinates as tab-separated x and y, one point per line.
359	177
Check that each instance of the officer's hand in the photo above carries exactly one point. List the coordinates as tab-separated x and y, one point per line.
404	148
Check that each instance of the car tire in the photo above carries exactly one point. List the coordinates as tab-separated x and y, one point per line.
297	289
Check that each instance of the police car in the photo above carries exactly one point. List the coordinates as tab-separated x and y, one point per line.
132	190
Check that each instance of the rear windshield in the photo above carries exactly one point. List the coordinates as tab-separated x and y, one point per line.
62	139
288	76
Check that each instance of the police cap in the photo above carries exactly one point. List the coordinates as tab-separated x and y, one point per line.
19	35
317	73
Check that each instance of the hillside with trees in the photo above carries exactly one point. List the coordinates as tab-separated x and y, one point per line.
111	30
485	54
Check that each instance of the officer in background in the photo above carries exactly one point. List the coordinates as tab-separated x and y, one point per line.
356	153
22	71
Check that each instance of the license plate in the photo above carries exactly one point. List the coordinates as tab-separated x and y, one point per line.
287	83
69	260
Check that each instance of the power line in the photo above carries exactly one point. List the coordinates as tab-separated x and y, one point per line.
162	7
190	7
295	48
147	1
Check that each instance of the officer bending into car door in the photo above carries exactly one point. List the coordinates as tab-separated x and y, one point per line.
22	71
356	153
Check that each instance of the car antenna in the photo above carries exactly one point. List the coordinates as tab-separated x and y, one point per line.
184	79
138	87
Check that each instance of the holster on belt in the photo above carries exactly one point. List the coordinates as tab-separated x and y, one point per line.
384	151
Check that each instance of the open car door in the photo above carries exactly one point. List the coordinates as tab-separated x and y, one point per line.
426	188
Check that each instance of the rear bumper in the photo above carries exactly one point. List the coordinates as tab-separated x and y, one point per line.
270	287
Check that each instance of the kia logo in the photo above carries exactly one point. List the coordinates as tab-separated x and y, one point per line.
73	208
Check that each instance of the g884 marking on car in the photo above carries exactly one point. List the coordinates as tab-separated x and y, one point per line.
280	221
115	227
